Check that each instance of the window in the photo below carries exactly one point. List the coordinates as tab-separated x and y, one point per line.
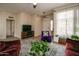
51	23
65	23
77	22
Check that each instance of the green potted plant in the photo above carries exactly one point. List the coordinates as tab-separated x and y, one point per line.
39	48
75	37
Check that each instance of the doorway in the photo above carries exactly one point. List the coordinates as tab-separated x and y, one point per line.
10	28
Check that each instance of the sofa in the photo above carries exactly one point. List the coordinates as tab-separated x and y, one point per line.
45	36
72	47
9	47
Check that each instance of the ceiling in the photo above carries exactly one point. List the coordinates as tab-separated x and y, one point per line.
28	7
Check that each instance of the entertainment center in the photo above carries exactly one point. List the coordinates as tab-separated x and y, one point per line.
27	31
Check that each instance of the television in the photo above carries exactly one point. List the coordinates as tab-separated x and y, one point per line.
26	28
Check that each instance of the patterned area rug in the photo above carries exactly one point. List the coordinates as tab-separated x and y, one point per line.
55	49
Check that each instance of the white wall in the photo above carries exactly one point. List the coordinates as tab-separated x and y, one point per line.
26	18
46	24
2	25
37	25
18	26
3	17
22	18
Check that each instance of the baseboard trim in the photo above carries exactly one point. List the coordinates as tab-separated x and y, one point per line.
37	36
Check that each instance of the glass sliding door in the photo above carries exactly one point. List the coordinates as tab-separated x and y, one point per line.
70	22
65	25
77	21
61	24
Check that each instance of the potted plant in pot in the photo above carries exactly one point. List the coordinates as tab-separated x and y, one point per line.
62	40
75	40
75	37
39	48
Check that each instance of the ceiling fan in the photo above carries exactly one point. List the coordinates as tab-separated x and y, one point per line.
47	15
44	15
34	5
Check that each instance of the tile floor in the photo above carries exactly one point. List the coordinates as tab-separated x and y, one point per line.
55	49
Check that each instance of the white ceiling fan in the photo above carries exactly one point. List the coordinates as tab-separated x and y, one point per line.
34	4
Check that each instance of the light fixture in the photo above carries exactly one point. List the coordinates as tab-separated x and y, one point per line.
34	5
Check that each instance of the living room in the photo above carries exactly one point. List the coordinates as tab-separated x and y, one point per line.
27	22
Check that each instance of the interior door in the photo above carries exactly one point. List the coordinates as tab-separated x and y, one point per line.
10	28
